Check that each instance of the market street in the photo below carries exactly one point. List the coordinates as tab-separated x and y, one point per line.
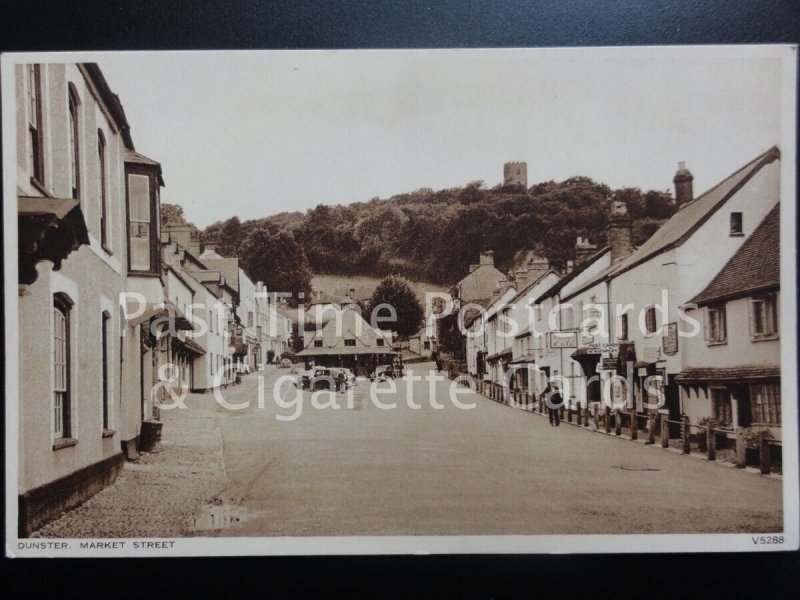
492	469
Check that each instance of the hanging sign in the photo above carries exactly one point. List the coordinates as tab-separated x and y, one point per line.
670	339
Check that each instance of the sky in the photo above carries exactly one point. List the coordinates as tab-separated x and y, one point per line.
257	133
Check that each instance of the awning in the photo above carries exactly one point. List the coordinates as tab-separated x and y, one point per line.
727	374
165	310
150	311
191	346
587	358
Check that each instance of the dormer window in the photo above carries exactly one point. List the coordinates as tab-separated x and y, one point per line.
351	343
736	224
381	342
317	343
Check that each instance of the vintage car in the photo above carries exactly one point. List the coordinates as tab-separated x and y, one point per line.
324	378
383	372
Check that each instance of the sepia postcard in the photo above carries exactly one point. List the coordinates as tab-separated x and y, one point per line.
400	301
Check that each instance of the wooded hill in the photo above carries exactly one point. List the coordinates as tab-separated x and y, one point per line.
434	236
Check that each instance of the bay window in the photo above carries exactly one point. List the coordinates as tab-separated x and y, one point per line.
139	217
142	183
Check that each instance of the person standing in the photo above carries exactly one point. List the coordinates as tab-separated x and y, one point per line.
554	403
341	381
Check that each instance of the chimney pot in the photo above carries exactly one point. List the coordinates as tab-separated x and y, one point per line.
487	258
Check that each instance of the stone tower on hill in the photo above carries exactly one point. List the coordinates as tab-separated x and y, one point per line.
515	173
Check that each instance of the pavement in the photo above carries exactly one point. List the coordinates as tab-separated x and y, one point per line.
159	494
272	469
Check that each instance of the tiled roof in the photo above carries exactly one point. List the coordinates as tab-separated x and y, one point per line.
350	325
688	218
727	373
755	266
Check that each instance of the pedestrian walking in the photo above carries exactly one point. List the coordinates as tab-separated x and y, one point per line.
554	403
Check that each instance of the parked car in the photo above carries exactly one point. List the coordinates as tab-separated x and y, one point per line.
285	363
382	373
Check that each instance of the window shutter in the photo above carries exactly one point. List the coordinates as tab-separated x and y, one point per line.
707	325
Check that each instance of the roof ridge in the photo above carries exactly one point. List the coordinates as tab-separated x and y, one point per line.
774	151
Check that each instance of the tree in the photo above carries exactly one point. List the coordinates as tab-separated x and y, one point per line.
397	292
276	259
172	213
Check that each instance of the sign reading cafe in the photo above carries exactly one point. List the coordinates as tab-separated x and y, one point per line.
564	339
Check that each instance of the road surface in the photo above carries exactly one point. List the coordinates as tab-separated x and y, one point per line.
492	469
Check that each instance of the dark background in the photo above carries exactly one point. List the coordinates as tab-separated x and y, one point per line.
182	24
239	24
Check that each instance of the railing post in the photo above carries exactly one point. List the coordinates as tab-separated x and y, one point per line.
687	444
569	415
634	425
664	432
617	422
651	428
561	413
607	419
741	455
578	414
763	452
711	442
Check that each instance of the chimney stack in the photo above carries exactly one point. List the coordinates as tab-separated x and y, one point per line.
570	266
521	279
487	258
683	185
353	294
583	250
537	266
620	232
